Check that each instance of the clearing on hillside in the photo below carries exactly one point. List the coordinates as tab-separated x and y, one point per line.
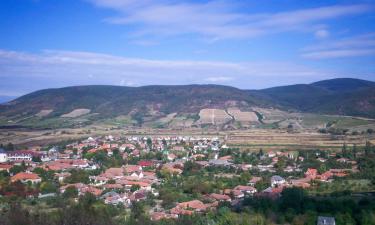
76	113
213	116
44	112
243	117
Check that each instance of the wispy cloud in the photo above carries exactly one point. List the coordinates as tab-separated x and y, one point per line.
362	45
218	19
64	68
321	34
219	79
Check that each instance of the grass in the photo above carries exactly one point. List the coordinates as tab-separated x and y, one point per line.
354	185
312	120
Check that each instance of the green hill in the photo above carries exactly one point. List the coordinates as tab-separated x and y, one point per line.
338	96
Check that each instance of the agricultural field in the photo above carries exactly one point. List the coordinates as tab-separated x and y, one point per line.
44	112
245	118
76	113
277	139
213	116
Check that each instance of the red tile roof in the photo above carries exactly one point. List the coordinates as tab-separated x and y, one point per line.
25	176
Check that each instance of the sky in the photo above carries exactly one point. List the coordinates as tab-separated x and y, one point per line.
249	44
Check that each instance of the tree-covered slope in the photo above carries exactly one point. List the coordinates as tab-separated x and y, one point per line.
337	96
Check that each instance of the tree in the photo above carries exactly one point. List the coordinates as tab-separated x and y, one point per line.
135	188
344	150
368	148
47	187
10	146
354	151
17	169
149	143
293	198
78	176
36	159
70	192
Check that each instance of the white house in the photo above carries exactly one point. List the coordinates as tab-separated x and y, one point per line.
277	180
3	156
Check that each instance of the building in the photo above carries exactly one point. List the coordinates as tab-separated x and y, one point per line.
22	155
277	180
26	177
323	220
3	156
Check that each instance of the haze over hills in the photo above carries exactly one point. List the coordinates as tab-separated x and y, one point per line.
343	96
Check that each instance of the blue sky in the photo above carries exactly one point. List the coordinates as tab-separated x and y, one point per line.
247	44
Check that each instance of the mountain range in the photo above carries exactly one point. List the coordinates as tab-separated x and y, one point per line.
342	96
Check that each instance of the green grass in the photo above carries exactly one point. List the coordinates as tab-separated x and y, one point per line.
358	185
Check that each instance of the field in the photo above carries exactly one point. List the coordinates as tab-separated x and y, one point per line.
278	139
76	113
213	116
44	112
245	118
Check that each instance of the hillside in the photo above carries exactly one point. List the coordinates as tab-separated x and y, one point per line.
344	96
186	105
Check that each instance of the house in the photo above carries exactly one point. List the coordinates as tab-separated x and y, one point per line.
137	196
82	189
237	194
302	183
254	180
171	157
325	176
62	176
311	173
114	173
220	197
271	154
5	167
26	177
277	180
129	169
219	162
156	216
246	189
145	163
324	220
178	148
22	155
3	156
114	198
194	205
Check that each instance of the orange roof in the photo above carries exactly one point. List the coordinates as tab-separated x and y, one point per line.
194	204
219	196
25	176
5	166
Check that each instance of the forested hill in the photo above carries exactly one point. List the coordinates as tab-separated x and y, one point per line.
343	96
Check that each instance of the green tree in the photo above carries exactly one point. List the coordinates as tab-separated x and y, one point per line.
70	192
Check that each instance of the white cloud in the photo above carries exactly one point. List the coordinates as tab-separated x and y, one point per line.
65	68
321	34
216	20
219	79
362	45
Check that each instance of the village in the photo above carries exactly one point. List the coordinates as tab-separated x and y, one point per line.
122	170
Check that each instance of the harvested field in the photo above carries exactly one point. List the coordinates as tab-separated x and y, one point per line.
76	113
274	115
181	122
167	118
213	116
243	117
277	139
44	112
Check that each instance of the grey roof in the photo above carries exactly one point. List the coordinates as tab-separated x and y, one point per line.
324	220
219	162
277	178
